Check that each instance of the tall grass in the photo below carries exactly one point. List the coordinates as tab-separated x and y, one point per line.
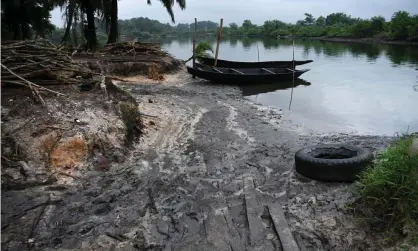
389	192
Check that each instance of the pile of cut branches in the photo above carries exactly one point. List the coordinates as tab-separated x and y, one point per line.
37	63
134	49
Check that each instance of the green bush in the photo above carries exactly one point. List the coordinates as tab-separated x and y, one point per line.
279	32
362	29
389	191
339	31
400	23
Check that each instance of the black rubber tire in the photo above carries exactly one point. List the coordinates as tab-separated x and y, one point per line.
346	169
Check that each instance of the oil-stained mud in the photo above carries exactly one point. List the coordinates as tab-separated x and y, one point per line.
201	178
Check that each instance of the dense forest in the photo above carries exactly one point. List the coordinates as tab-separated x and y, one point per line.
402	26
143	29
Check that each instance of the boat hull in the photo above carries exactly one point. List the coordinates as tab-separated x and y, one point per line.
253	75
264	64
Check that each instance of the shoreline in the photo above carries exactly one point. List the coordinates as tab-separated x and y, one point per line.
360	40
186	175
210	161
336	39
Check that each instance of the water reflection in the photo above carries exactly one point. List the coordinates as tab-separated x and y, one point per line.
402	54
398	54
184	40
233	42
250	90
355	87
248	42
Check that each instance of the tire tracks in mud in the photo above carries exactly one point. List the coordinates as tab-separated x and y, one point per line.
183	187
167	147
214	134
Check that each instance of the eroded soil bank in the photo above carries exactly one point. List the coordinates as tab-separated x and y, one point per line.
182	186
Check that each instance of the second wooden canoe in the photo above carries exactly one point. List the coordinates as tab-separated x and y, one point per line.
243	76
263	64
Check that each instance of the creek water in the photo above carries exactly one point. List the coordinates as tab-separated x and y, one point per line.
351	88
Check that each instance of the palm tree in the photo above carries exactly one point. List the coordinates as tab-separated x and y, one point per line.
70	8
89	7
107	10
112	18
112	21
20	19
83	11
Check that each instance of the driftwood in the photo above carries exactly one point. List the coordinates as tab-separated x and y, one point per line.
37	63
134	49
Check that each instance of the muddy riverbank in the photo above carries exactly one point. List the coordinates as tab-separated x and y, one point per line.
201	178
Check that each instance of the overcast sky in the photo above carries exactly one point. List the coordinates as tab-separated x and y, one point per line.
257	11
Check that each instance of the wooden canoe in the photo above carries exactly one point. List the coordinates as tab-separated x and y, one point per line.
243	75
263	64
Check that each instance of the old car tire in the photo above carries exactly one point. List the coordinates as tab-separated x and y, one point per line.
335	162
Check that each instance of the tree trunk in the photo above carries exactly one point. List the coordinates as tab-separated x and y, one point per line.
11	17
41	31
69	21
24	21
26	34
91	27
17	29
74	34
113	33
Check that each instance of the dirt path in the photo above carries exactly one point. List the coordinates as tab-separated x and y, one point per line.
201	179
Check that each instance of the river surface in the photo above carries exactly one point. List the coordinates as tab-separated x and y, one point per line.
353	88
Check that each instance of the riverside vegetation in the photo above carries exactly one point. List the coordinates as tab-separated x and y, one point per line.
403	26
389	192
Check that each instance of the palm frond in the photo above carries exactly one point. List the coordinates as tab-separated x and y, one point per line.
202	49
182	4
168	4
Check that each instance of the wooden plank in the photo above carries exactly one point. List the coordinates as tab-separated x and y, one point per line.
220	228
264	69
216	231
282	228
235	239
253	213
216	69
232	69
217	43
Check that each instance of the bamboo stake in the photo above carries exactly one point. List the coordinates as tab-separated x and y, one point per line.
258	54
293	77
194	42
217	43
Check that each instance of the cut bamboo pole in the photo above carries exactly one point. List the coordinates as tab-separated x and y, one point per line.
194	42
217	43
258	53
293	76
